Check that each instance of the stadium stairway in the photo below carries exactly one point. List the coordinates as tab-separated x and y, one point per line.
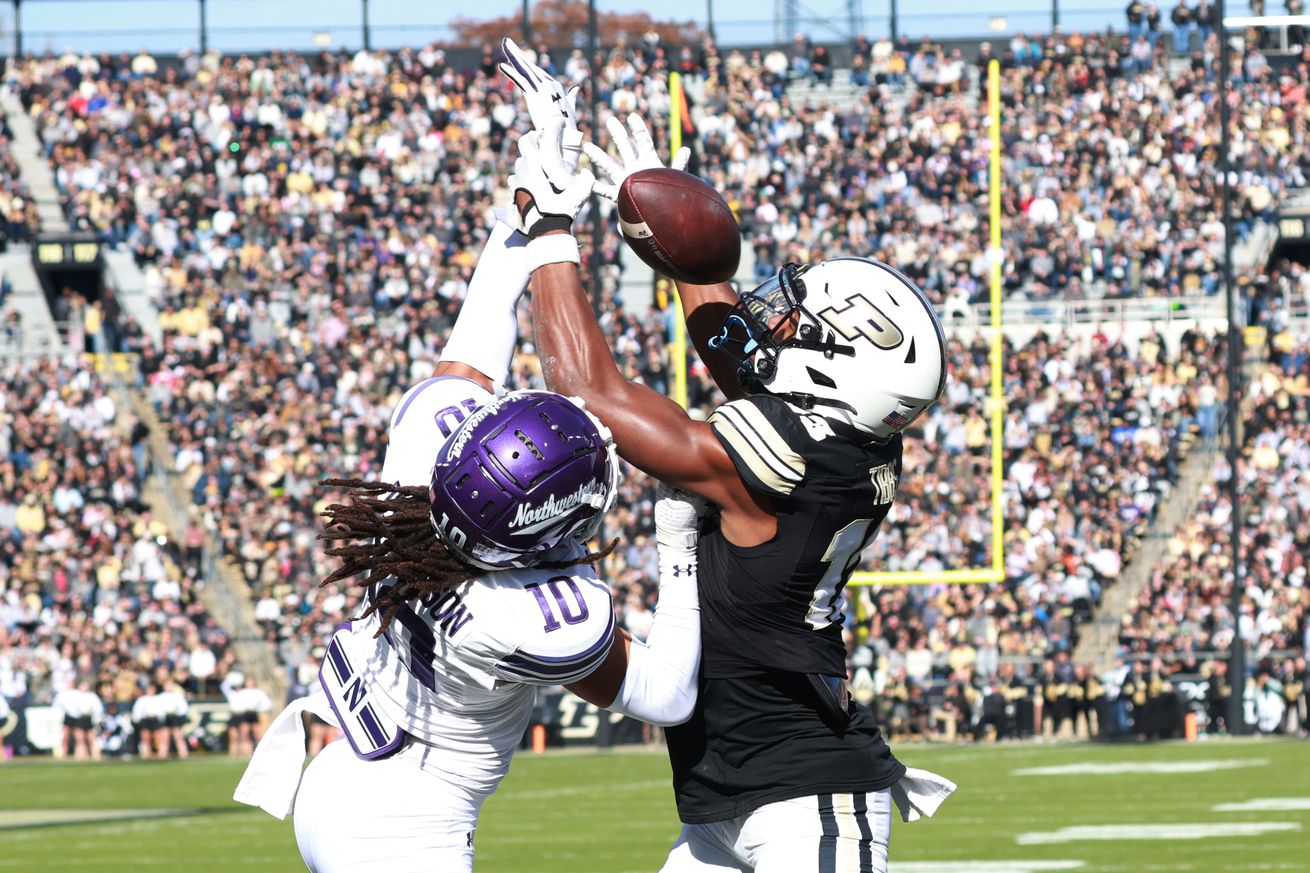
27	298
39	333
1099	641
223	591
124	277
32	165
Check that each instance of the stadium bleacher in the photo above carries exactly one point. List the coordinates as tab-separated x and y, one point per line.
307	227
91	588
1185	610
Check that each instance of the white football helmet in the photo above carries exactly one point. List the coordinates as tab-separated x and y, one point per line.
850	338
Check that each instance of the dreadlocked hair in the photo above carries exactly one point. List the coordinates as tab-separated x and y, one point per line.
386	531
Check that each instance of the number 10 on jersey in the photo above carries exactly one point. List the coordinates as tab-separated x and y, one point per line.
572	613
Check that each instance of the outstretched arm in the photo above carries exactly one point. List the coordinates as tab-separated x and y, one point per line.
481	345
706	308
655	680
652	432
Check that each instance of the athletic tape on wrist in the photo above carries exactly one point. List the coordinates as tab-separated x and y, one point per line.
546	223
560	248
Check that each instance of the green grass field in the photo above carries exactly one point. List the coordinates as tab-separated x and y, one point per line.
613	812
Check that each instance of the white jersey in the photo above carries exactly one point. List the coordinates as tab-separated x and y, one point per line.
426	415
457	670
79	704
147	706
175	703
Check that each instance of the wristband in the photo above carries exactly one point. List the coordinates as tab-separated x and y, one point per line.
558	248
546	223
536	223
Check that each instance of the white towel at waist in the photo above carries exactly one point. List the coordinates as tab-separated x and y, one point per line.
919	793
272	777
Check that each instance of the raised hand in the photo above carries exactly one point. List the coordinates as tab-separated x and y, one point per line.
636	151
547	100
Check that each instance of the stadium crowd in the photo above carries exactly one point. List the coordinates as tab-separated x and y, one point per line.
18	219
94	599
1185	609
307	228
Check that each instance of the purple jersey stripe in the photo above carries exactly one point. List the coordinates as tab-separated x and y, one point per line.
423	386
527	668
562	671
547	661
573	674
339	664
370	723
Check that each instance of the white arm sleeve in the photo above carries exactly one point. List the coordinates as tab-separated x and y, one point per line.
487	328
660	685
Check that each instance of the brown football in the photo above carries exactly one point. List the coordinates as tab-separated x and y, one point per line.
679	225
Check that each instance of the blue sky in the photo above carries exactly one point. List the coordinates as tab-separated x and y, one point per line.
170	25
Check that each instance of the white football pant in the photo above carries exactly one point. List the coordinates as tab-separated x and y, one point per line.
389	815
826	833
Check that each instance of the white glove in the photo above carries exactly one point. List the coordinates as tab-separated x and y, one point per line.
546	99
678	515
557	192
636	151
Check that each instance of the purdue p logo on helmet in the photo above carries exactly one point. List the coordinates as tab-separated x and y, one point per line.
850	338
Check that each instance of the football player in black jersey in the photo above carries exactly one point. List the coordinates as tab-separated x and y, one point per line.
823	366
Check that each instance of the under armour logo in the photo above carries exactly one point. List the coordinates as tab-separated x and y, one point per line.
559	98
680	570
860	318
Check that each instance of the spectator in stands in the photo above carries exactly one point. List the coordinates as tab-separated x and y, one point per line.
821	65
1182	19
861	59
798	62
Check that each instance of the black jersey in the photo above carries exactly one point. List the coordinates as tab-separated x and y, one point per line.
765	728
779	605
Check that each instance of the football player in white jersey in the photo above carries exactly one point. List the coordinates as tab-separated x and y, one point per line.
476	533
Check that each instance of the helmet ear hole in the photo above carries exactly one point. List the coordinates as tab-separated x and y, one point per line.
819	378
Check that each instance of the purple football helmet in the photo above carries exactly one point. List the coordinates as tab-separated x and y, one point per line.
523	474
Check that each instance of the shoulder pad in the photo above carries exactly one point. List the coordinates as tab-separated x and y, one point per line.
763	436
565	629
422	420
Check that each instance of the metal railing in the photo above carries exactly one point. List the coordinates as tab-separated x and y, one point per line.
170	26
1056	313
29	341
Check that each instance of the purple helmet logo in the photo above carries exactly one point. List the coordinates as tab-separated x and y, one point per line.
526	472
